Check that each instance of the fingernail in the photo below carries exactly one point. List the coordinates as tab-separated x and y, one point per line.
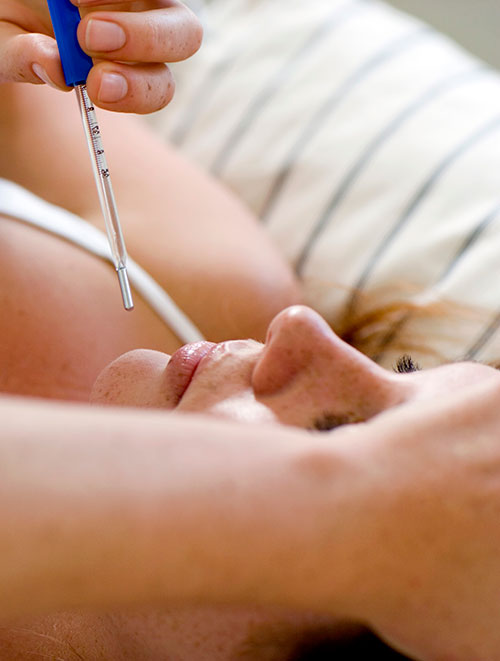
39	71
104	36
113	88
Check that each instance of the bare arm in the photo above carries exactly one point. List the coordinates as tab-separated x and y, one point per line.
393	522
101	510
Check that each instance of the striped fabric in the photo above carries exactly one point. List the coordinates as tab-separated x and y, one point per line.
369	145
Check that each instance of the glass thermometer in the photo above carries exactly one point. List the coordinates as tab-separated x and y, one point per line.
76	66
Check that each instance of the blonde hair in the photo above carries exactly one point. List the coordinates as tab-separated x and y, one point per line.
413	326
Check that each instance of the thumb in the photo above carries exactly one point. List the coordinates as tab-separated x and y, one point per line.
28	57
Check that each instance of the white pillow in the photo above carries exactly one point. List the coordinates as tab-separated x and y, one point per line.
369	144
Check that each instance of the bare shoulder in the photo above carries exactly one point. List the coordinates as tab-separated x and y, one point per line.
62	318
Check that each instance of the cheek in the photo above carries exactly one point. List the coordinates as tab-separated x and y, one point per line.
298	411
240	406
310	398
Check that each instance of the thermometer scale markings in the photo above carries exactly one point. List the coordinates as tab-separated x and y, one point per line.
76	65
105	191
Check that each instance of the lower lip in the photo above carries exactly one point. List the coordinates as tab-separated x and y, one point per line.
181	368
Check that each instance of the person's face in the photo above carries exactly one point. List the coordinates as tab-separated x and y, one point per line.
304	375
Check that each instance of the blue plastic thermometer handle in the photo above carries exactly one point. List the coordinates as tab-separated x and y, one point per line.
75	62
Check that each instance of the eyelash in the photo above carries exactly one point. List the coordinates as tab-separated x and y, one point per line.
406	364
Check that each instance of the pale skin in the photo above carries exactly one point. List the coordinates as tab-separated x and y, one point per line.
58	332
422	532
399	512
401	520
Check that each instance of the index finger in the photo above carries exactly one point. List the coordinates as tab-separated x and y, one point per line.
129	5
168	34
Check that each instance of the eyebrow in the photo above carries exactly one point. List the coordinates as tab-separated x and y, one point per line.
280	640
328	421
322	643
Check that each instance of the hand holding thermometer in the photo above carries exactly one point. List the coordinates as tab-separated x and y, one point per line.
76	66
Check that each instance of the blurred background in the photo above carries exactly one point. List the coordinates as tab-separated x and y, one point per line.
473	23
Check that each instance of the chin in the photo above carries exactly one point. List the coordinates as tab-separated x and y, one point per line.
134	379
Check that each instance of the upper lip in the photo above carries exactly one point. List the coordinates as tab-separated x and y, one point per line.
182	366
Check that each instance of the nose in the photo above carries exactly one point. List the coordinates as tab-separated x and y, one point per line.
304	359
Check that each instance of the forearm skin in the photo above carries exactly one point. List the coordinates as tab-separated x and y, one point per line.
104	508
